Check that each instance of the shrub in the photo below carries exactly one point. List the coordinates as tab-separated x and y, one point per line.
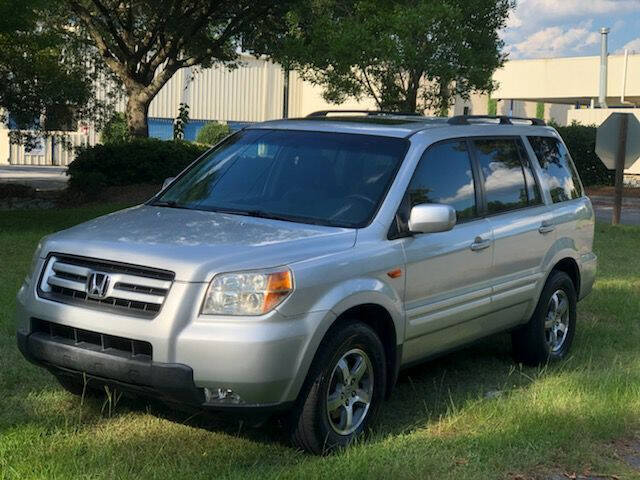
115	130
581	142
16	190
212	133
140	160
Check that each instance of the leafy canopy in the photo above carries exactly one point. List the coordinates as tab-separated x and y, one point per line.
144	42
43	69
408	55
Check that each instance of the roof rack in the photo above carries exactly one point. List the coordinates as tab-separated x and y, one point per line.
368	113
503	119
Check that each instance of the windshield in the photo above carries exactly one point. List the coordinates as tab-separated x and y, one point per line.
323	178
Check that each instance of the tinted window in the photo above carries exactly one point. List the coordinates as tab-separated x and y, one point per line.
444	175
558	170
533	191
504	178
313	177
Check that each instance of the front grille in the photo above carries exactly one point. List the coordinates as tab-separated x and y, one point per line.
131	289
109	344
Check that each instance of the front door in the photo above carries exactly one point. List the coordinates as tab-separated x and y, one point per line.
448	274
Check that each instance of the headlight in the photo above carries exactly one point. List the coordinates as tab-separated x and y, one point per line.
247	293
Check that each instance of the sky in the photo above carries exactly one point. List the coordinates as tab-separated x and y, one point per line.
568	28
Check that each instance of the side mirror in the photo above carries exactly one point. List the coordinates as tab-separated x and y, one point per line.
167	181
432	218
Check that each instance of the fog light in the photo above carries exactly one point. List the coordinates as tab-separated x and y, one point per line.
221	395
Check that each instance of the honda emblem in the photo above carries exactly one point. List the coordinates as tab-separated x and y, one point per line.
97	285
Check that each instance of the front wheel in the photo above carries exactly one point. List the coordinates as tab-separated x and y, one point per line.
549	333
343	392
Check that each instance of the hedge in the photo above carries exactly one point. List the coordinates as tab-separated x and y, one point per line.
581	142
141	160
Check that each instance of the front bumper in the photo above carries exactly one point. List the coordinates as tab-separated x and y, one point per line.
172	382
262	360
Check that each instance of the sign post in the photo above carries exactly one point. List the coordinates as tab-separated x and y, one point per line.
619	182
618	146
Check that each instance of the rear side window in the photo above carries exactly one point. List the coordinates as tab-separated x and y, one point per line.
444	175
558	170
508	181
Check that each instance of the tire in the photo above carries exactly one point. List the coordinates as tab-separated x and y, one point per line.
319	422
548	335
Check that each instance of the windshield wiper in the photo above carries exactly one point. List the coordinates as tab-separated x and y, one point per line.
271	216
168	203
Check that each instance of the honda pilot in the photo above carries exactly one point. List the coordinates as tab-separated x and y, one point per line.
299	265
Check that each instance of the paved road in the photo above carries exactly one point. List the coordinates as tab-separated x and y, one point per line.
41	178
604	210
630	216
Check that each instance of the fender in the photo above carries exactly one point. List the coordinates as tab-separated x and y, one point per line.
336	301
561	249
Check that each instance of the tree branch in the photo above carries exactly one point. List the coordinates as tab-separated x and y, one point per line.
112	60
108	20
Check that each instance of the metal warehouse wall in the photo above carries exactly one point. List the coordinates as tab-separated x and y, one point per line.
252	92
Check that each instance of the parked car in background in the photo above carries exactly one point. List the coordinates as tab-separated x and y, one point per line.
300	264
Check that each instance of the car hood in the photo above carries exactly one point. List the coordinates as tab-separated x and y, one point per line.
197	244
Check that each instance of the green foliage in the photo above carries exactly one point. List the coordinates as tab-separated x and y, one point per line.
115	130
492	106
181	121
43	69
212	133
144	42
540	110
411	54
141	160
581	142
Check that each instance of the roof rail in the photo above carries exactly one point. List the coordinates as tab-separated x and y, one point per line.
368	113
504	119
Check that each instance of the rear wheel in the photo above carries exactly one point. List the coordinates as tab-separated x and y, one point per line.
343	391
549	333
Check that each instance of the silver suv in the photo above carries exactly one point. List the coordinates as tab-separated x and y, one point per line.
300	264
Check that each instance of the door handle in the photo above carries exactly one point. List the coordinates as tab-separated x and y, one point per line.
546	227
480	244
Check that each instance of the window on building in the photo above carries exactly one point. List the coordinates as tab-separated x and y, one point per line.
444	175
558	170
504	176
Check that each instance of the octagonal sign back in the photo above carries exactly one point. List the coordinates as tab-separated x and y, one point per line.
607	140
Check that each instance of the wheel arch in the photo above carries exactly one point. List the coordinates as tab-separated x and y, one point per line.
379	319
569	266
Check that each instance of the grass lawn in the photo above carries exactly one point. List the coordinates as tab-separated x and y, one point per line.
469	415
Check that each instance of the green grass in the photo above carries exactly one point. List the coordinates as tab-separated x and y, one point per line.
440	422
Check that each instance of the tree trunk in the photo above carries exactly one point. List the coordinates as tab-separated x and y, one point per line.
445	98
411	103
411	99
136	114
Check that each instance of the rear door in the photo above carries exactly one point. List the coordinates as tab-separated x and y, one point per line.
448	274
521	223
571	211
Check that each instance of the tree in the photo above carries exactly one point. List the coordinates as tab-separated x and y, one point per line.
213	133
144	42
43	73
407	55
